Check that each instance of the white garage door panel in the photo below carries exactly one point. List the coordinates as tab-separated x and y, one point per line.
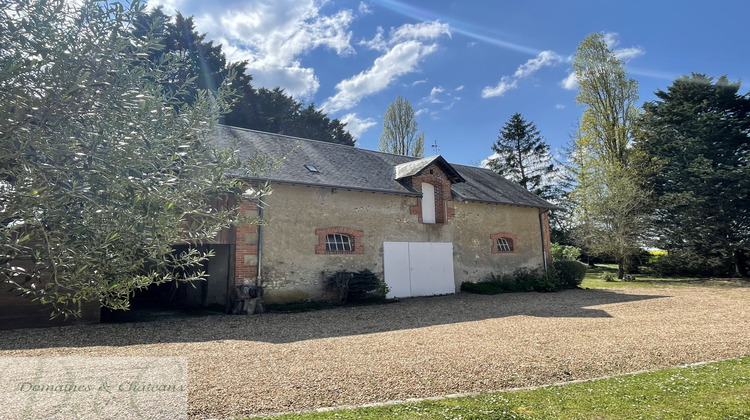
396	256
431	266
418	268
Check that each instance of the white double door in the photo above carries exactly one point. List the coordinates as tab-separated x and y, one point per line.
418	268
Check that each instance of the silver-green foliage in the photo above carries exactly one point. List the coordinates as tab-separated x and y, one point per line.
102	169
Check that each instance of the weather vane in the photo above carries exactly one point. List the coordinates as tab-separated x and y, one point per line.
435	147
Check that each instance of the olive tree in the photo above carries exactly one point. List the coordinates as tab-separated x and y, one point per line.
103	169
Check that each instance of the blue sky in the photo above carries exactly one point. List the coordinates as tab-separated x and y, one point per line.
466	65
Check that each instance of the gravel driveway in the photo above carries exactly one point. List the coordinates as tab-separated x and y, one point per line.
418	347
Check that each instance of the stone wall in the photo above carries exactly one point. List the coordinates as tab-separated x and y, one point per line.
292	270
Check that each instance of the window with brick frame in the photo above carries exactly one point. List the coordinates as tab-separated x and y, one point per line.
504	243
339	240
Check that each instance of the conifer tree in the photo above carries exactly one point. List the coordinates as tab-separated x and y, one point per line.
523	156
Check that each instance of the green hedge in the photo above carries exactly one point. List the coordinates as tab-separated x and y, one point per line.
569	273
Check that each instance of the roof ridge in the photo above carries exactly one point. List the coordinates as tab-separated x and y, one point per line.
252	130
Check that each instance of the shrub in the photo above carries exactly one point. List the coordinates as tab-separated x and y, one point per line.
565	252
521	280
686	262
569	273
609	277
355	287
534	279
482	288
655	255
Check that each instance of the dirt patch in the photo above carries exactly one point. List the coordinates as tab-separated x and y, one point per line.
422	347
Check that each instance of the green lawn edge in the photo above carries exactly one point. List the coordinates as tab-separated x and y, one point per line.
718	390
594	280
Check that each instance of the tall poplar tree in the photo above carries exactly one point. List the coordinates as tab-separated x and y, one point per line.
610	205
523	156
399	134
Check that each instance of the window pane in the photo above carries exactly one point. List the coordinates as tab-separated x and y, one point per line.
505	244
338	242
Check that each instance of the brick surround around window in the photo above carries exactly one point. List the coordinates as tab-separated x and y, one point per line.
509	237
444	209
355	236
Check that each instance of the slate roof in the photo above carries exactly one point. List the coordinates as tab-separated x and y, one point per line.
347	167
414	167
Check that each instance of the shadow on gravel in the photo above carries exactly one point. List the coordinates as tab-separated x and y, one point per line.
338	322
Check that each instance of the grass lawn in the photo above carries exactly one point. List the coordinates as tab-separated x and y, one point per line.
594	280
718	390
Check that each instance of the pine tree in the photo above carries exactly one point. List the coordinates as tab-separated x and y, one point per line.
523	156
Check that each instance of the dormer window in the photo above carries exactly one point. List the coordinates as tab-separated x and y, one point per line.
432	177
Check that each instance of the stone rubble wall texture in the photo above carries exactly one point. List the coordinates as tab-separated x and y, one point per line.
292	271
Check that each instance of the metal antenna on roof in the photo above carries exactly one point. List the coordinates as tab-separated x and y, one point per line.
435	148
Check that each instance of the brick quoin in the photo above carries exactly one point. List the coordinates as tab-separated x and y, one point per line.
436	177
246	246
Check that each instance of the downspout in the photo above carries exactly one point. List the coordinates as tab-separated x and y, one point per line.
544	251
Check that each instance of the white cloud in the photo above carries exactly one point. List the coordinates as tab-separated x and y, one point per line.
364	8
624	54
421	31
357	126
559	106
378	42
402	53
486	161
545	58
442	97
272	35
527	69
460	88
434	95
570	82
504	85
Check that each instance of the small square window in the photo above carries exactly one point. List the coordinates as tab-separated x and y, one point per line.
312	168
337	242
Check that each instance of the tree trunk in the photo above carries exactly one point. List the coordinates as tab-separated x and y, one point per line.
740	262
620	269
